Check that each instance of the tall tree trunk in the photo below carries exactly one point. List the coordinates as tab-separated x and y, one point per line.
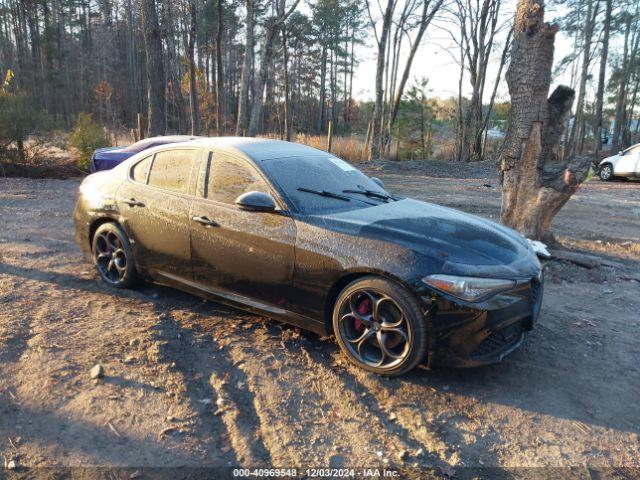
604	53
193	89
575	143
375	143
323	90
261	81
285	72
155	69
272	27
622	89
247	64
536	183
427	16
220	73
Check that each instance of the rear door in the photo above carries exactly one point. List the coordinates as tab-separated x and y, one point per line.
245	253
155	206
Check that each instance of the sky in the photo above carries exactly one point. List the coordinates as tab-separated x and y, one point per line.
434	61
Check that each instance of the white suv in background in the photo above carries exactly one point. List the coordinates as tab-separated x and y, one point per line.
624	164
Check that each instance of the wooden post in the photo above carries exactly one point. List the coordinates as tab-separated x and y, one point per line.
140	127
366	140
330	136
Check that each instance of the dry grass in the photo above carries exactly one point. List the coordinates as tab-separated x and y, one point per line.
351	148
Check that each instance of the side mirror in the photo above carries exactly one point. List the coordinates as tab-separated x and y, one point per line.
377	181
620	153
256	202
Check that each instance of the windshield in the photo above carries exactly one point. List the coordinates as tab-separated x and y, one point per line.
317	184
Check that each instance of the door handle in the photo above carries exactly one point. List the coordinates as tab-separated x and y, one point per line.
205	221
132	202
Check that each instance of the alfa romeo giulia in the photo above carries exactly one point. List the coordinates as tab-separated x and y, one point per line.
297	234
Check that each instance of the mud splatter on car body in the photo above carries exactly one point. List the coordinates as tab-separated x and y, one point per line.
292	262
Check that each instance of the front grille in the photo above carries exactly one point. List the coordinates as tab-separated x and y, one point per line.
499	340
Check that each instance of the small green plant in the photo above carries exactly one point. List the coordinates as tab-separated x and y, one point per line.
18	120
86	136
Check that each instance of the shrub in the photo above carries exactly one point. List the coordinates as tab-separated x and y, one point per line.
18	119
86	137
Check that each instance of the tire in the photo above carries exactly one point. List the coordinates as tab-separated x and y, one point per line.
379	326
113	257
606	172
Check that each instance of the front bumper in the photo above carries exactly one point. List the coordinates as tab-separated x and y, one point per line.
467	335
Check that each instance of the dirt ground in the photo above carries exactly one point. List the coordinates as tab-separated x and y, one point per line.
193	383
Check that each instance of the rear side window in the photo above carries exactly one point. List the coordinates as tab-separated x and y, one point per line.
140	170
228	178
171	169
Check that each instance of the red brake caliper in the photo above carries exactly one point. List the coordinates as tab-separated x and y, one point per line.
363	308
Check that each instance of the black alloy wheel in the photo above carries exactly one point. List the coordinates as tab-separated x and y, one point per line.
113	256
379	326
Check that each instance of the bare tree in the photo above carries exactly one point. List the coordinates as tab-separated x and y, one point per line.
404	27
193	90
479	24
536	182
273	25
577	132
631	45
220	70
599	101
247	64
375	128
155	69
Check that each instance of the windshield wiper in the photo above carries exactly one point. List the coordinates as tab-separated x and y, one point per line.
371	194
325	193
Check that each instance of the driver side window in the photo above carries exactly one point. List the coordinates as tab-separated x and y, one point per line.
227	178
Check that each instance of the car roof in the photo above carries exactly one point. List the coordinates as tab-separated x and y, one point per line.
257	149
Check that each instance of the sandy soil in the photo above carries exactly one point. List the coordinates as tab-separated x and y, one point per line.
193	383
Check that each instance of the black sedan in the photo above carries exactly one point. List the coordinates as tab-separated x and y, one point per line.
295	233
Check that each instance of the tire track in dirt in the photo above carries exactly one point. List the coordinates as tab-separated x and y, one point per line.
299	397
207	378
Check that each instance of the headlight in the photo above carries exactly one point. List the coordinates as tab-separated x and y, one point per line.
471	289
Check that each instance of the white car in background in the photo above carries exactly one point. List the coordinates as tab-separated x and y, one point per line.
625	164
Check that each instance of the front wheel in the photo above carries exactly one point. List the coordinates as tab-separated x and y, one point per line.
606	172
379	326
113	256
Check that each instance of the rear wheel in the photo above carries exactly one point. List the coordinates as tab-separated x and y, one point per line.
379	326
113	256
606	172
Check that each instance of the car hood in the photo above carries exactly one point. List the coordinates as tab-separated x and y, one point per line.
612	159
461	243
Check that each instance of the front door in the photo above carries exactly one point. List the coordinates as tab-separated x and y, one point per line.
155	207
237	252
628	163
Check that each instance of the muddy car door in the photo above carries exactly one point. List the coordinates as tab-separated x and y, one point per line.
235	251
155	203
628	163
